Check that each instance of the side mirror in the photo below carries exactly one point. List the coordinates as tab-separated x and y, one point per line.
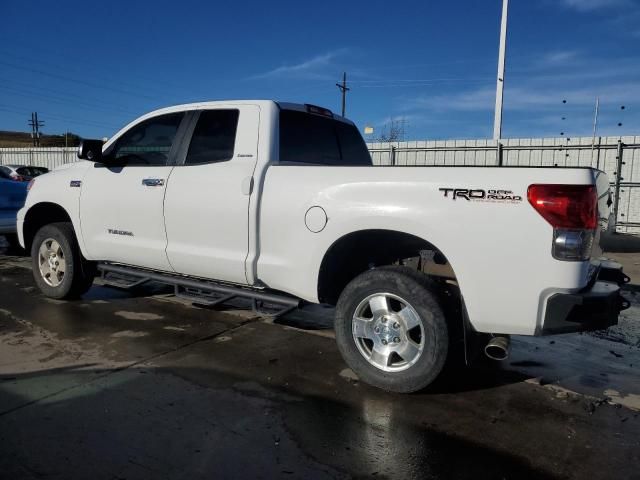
90	150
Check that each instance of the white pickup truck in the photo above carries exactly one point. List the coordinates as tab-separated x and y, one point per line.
280	203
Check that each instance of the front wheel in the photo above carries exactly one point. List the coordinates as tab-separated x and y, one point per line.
391	330
59	269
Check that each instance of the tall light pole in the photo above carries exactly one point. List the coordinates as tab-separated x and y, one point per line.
497	122
595	126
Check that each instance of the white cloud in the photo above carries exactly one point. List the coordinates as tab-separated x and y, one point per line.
314	67
531	98
559	57
473	100
588	5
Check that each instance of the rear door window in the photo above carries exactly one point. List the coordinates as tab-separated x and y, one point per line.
214	137
313	139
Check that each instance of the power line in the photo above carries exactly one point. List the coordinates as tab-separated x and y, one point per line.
69	92
422	80
148	82
424	84
87	123
64	100
435	64
90	123
80	82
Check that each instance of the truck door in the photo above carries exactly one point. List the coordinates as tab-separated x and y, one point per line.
121	207
207	202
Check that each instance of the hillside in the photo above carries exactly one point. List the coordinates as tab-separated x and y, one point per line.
23	139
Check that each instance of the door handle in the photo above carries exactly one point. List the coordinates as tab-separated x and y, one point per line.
153	182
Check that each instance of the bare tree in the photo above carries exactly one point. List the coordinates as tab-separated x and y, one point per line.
393	131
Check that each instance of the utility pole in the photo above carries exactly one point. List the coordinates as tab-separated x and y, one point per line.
32	123
497	122
343	88
595	126
35	128
38	125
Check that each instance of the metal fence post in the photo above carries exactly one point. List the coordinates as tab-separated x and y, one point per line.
499	153
392	154
616	198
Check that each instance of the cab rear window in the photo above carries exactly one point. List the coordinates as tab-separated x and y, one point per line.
308	139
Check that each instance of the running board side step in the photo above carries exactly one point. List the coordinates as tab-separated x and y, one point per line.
199	292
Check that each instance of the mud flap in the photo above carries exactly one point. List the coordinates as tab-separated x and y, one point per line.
474	342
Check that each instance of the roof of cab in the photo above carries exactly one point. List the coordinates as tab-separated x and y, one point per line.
212	104
209	104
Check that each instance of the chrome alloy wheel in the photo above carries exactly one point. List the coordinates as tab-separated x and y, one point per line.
52	262
388	332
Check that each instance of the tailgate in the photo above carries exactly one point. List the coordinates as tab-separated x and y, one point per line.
605	211
605	199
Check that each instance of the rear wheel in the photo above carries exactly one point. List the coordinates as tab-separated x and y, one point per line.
59	269
391	330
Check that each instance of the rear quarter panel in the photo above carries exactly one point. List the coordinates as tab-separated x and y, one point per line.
500	251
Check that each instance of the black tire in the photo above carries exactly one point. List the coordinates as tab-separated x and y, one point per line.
79	273
419	292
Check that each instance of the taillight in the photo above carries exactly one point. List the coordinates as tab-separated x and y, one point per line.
566	206
30	184
572	211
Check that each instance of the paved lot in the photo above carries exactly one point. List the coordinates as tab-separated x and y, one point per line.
122	385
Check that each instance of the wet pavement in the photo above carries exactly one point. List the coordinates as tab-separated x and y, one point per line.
142	385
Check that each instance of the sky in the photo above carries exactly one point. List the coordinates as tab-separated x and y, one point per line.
91	67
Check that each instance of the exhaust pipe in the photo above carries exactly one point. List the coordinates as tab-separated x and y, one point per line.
498	348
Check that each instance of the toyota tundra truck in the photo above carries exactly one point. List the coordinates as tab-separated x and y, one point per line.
279	203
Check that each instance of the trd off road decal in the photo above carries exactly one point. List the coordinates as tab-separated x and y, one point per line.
479	194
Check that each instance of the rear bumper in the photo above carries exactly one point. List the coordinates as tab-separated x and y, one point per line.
594	308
